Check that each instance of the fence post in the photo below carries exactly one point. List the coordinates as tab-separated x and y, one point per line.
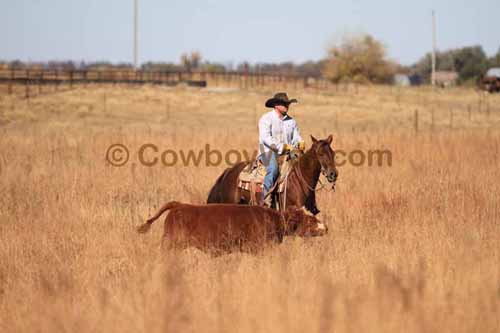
27	85
71	79
487	107
40	82
432	119
469	112
415	119
451	118
11	80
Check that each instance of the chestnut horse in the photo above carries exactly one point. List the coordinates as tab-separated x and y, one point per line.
301	182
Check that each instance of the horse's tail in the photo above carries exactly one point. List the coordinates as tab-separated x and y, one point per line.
220	193
146	226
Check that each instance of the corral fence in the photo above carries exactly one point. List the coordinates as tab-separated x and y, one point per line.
30	82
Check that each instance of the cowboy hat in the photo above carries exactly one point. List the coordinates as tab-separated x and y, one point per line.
280	98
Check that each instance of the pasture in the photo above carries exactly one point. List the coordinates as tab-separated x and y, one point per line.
412	247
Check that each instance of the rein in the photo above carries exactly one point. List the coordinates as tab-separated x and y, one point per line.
303	181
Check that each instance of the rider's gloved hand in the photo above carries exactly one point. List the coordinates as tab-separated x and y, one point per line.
286	148
301	145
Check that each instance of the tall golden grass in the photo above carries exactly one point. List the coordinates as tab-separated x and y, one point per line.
414	247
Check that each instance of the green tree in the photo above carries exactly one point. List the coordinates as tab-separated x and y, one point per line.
495	60
470	62
359	59
444	62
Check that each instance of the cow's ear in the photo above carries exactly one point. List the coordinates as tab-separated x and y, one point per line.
314	140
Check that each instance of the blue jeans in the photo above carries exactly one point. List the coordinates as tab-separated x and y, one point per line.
272	172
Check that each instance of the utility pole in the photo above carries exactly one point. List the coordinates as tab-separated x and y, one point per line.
433	74
136	35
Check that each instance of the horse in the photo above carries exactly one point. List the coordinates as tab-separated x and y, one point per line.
300	188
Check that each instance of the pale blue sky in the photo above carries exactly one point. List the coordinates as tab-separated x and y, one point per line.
232	30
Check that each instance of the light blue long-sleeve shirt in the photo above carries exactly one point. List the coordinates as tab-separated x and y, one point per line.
274	132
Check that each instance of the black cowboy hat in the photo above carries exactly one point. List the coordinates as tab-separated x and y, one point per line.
280	98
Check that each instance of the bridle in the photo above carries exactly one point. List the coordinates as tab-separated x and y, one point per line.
302	182
306	184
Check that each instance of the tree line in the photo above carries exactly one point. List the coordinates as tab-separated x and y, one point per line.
360	59
188	62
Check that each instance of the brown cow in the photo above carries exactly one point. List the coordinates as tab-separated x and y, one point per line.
224	227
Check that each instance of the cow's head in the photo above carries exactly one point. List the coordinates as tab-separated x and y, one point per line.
298	222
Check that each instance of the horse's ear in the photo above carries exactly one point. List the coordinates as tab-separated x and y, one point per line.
329	139
314	139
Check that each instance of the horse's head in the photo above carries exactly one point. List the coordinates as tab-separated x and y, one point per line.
326	157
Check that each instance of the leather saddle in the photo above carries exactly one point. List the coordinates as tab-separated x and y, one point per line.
252	177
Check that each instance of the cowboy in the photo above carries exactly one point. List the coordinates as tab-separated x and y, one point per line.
278	135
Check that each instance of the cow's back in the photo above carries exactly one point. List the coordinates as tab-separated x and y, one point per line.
222	226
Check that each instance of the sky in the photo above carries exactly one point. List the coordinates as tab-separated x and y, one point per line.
232	31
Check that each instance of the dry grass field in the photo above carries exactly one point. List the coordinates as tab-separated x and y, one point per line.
412	247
